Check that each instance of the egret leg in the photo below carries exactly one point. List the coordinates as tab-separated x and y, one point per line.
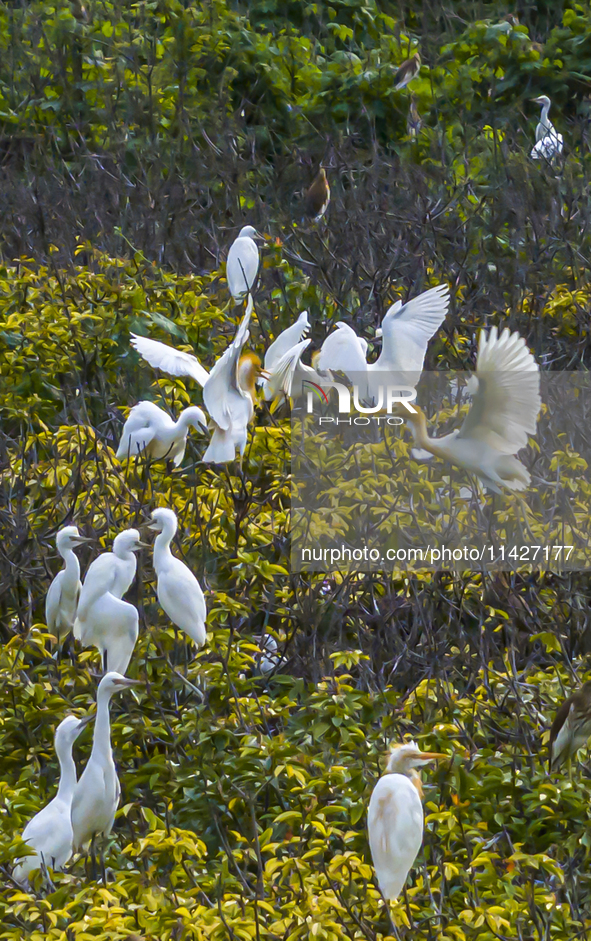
103	871
570	768
105	670
92	860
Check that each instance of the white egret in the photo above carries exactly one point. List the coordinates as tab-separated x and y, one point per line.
549	142
62	597
179	592
149	428
317	197
406	330
405	73
49	832
395	817
96	795
243	262
571	728
103	619
229	390
504	411
269	658
292	378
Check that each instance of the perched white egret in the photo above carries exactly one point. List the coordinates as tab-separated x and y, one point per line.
505	405
103	619
229	390
179	592
571	728
317	197
395	817
549	142
406	330
62	597
243	262
49	832
269	658
96	795
149	429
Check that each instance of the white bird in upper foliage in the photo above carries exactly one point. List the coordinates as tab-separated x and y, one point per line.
103	619
549	142
505	405
406	330
96	796
62	597
395	817
179	592
49	832
229	390
243	262
148	428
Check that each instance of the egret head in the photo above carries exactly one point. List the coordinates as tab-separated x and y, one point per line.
113	683
69	538
195	417
127	541
249	369
164	519
69	729
542	100
405	758
248	232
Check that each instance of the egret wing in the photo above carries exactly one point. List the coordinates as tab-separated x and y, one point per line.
139	429
52	601
221	389
506	404
407	329
286	341
395	825
282	374
182	599
174	362
342	351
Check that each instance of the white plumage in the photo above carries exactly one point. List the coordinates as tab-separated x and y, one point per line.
243	263
148	428
179	592
406	330
103	619
49	832
285	342
549	143
395	817
62	597
96	796
504	411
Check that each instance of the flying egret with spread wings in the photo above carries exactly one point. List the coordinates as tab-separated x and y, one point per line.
504	411
150	429
96	795
406	330
395	817
229	390
179	593
49	833
62	597
104	620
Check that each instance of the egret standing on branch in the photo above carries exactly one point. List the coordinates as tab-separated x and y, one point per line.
242	264
549	142
63	594
179	592
96	796
49	833
505	405
149	429
395	817
571	728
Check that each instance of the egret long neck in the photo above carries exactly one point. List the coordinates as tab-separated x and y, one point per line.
162	552
67	770
101	743
544	117
72	566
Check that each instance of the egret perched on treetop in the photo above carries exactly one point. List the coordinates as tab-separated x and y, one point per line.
317	197
96	796
504	411
103	619
571	727
62	597
179	592
395	817
549	142
229	390
243	262
149	428
49	832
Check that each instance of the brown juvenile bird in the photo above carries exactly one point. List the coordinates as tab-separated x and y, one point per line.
317	197
571	727
414	122
407	71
